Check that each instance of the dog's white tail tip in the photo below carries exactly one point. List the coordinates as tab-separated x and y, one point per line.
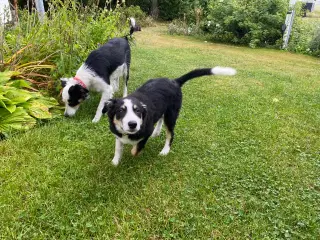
227	71
132	22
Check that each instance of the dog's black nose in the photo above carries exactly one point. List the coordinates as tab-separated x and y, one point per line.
132	124
66	114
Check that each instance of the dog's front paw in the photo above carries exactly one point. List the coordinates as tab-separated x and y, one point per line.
165	151
96	119
115	161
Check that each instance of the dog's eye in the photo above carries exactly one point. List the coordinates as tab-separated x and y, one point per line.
122	109
136	110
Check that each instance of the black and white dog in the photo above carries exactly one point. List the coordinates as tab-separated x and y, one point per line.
132	118
100	72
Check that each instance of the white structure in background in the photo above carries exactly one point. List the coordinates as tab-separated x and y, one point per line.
40	9
288	23
5	12
290	17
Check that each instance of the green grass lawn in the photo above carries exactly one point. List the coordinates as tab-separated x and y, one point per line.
245	163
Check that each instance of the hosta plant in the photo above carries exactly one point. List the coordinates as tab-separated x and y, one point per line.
21	106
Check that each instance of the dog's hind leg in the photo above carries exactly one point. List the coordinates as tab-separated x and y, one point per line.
167	145
125	87
157	130
126	72
126	79
115	83
170	119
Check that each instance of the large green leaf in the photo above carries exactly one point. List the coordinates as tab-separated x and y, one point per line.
48	101
20	84
7	104
2	104
19	120
18	96
5	76
36	95
10	107
6	100
37	109
57	112
4	89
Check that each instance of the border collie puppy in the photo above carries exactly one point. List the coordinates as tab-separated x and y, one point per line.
100	72
132	118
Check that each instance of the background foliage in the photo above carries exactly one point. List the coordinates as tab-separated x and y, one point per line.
69	32
250	22
256	23
305	36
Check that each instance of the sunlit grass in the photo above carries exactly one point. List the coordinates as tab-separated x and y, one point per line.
244	164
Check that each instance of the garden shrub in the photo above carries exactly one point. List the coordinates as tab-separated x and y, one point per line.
145	5
21	106
250	22
173	9
305	34
315	42
135	11
180	27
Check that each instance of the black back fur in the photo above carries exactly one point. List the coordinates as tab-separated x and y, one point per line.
162	97
107	58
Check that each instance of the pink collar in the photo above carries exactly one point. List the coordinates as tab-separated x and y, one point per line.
80	81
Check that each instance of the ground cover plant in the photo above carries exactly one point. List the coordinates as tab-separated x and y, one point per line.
21	105
244	165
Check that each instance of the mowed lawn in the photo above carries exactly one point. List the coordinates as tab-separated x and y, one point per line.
245	163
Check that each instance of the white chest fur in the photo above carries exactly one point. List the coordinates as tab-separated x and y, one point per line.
125	140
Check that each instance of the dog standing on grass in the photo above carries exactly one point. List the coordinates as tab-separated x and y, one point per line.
132	118
100	72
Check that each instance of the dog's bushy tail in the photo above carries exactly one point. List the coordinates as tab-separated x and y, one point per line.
227	71
133	26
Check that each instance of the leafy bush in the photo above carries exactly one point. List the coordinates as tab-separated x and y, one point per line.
305	34
66	36
180	27
34	72
145	5
315	42
135	11
19	108
250	22
173	9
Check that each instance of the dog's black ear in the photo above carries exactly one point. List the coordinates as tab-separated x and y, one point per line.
63	81
84	92
109	105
